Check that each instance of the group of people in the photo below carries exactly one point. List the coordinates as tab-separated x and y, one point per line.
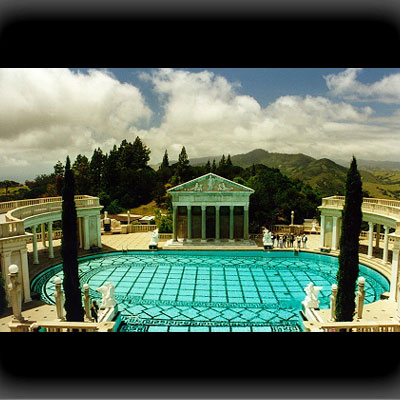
289	241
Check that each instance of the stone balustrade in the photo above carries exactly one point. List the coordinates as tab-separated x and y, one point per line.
31	210
314	326
9	229
64	326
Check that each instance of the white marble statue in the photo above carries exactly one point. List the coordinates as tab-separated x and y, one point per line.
222	187
108	298
210	183
154	239
313	228
267	240
311	300
198	187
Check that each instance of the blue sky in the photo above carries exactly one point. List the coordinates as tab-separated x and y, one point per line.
322	112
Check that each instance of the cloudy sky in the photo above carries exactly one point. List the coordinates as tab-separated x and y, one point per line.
47	114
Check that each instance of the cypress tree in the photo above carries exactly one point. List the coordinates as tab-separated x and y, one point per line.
349	246
69	249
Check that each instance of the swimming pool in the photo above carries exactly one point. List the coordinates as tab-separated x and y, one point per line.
209	290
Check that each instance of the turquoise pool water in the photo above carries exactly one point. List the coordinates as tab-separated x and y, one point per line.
209	290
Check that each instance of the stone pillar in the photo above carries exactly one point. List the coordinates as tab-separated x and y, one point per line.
231	222
203	223
360	297
174	223
189	223
98	227
370	239
86	235
5	263
43	235
245	222
322	232
35	249
60	299
80	232
334	232
50	230
378	235
86	301
14	288
25	275
385	244
333	302
217	223
394	278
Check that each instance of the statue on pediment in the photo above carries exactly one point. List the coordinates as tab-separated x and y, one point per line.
222	187
198	187
211	181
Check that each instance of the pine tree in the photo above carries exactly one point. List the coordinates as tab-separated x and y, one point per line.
183	166
69	249
349	246
165	161
214	167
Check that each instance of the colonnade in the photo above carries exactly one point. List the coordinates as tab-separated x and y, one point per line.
84	236
217	221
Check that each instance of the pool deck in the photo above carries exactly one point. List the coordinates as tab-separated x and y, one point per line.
384	310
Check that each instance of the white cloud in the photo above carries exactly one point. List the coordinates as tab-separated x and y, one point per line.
49	110
345	84
47	114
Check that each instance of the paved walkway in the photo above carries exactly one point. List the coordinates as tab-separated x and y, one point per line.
37	310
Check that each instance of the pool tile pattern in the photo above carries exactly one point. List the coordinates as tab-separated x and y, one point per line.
209	291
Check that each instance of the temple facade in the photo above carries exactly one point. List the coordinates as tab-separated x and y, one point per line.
210	207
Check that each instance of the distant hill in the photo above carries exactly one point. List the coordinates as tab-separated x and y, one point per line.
373	165
325	175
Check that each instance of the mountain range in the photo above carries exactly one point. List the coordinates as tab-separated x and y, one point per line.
380	178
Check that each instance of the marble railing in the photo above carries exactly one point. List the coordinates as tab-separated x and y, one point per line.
24	212
389	326
385	207
9	229
10	205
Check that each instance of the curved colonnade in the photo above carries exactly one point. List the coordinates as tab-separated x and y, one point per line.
42	212
378	213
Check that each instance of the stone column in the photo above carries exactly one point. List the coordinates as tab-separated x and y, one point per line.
334	233
80	232
86	301
189	223
217	223
86	235
5	263
385	244
378	235
98	226
370	239
60	299
25	275
333	302
203	223
322	231
14	288
245	222
231	221
394	278
35	249
360	297
174	223
43	236
50	230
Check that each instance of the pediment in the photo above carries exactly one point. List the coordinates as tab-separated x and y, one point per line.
210	183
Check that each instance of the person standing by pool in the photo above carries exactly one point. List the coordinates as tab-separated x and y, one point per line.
277	240
288	241
304	240
298	241
273	240
292	240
